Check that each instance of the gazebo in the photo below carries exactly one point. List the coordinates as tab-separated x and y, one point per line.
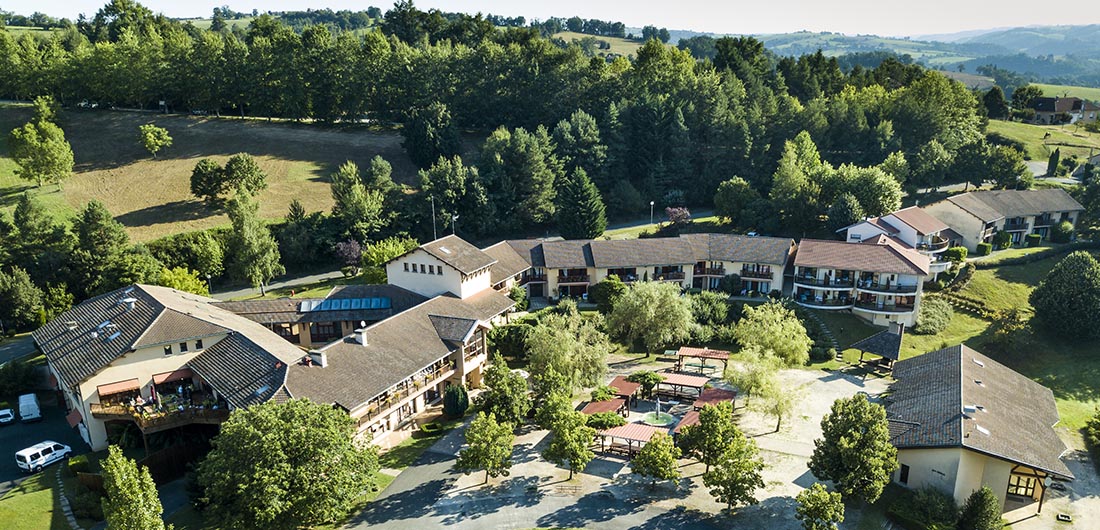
684	386
714	396
885	344
634	434
626	390
617	405
686	354
689	419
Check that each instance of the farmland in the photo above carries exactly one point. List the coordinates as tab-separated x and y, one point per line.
1041	140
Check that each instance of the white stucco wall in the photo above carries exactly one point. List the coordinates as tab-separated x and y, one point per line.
423	283
968	226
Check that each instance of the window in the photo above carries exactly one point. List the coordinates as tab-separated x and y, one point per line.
168	350
406	266
183	346
439	271
47	452
422	269
431	269
903	477
198	344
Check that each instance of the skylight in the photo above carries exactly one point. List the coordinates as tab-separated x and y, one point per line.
982	430
979	363
445	250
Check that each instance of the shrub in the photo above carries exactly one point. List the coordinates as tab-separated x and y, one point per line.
1061	232
519	296
934	317
1002	240
79	464
16	377
455	401
1092	437
511	340
603	393
925	508
605	420
701	334
1033	240
983	249
87	505
982	511
955	254
819	354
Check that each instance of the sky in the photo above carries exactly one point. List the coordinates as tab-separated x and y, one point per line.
880	17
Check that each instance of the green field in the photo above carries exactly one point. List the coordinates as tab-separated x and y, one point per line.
33	504
204	23
1070	139
152	197
624	47
1090	93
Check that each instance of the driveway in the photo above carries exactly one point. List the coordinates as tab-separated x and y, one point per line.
15	348
19	436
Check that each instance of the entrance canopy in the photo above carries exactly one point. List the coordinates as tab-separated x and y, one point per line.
118	387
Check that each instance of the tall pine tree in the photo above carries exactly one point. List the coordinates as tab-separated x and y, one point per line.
581	212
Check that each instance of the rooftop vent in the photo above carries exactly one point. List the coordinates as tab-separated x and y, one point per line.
129	301
979	363
71	324
970	409
361	336
445	250
982	430
319	357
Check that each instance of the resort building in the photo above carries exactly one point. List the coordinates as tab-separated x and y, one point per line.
912	227
878	279
978	215
961	420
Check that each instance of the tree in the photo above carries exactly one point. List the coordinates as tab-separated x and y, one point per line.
855	450
896	166
982	511
379	253
489	447
1062	232
648	379
131	501
1024	95
506	395
154	138
285	465
1008	169
241	172
40	150
570	441
733	196
604	393
845	211
1066	300
931	164
555	404
819	508
455	401
653	313
570	345
775	328
378	177
522	174
23	301
578	145
100	260
995	104
253	253
183	279
207	180
795	185
709	308
709	439
736	474
358	210
606	293
755	375
430	134
776	402
1053	161
657	459
581	213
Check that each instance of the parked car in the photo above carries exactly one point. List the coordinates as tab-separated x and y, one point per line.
7	416
40	455
29	409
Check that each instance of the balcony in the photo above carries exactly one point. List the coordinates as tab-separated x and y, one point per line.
532	278
162	420
759	274
1015	226
395	399
938	266
1044	220
816	303
937	245
573	278
876	307
671	276
703	271
842	283
876	287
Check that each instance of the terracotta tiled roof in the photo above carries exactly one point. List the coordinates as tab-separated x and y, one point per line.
638	432
957	397
841	255
624	387
714	396
673	378
920	220
690	419
596	407
703	353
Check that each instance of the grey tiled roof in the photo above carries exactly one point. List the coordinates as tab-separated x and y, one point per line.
641	252
926	408
396	348
530	250
682	250
992	205
172	326
243	372
744	249
453	329
867	257
884	344
919	220
457	253
286	310
574	254
509	262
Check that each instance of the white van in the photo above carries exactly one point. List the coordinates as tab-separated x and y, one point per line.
29	410
40	455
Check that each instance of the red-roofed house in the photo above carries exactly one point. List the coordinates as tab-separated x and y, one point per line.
914	229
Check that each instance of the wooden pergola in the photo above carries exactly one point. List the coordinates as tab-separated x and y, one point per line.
626	390
678	385
617	405
636	435
702	355
690	419
886	345
714	396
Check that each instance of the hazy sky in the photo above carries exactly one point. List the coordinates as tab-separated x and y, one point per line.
882	17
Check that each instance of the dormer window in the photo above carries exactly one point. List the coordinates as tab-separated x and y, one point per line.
198	344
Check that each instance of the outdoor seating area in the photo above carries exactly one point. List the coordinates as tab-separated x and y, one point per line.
627	440
617	405
697	358
626	390
681	386
713	396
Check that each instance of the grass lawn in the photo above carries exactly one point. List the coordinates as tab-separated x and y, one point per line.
1014	252
152	197
1070	139
698	225
1070	90
405	453
33	505
620	46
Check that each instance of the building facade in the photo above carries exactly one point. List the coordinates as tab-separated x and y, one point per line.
912	227
978	215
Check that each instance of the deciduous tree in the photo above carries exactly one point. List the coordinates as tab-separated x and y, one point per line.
183	279
819	508
709	439
733	196
775	328
488	447
358	210
243	173
23	301
606	293
571	345
1066	300
657	459
131	501
855	450
154	138
570	441
653	313
736	474
41	152
430	134
845	211
253	253
207	180
506	392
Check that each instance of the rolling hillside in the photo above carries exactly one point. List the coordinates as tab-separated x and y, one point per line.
1082	92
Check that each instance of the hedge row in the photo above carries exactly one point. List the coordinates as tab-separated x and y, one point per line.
1037	256
962	279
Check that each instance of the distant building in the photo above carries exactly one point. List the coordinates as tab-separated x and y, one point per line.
1058	110
978	215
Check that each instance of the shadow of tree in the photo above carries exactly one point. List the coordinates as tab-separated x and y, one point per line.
518	492
172	212
596	507
408	504
679	518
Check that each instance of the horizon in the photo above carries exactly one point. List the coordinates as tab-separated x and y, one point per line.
849	17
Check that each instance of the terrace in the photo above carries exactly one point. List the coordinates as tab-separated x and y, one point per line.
152	419
935	245
880	307
403	392
764	273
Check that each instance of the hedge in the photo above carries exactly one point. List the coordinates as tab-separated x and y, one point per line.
984	249
1034	240
1061	232
955	254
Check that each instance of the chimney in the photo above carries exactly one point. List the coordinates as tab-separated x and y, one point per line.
361	336
319	358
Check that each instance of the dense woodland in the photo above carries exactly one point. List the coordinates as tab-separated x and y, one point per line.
791	145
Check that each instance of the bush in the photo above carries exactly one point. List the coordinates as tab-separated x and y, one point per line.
983	249
87	505
819	354
519	296
956	254
1002	240
455	401
605	420
511	340
934	317
603	393
1061	232
1092	437
16	377
701	334
1034	240
79	464
925	508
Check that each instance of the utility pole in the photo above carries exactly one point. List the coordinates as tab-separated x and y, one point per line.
434	235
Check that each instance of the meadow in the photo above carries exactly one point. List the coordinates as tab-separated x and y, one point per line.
1041	140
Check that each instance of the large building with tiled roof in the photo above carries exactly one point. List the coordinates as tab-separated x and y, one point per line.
913	228
878	278
978	215
556	269
961	420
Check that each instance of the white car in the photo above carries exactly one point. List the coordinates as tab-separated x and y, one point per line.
7	416
40	455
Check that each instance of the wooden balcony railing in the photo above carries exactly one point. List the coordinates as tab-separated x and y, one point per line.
161	420
574	278
709	271
761	274
532	278
396	398
674	275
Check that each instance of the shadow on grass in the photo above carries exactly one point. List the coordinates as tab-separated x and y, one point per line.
172	212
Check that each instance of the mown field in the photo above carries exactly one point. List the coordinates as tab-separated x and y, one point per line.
152	197
1070	139
1083	92
622	47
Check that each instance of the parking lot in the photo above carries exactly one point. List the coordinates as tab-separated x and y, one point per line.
16	436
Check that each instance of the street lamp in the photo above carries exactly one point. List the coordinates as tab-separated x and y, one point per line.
650	212
209	284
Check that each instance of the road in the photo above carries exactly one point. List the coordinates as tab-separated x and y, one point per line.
15	348
285	282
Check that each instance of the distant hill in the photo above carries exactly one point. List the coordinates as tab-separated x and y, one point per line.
1045	40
